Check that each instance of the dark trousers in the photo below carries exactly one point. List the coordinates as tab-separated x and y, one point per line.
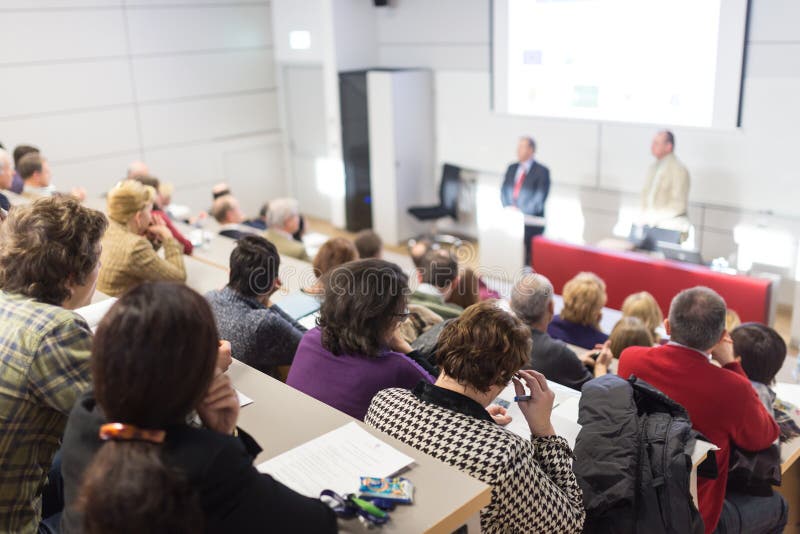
52	499
750	514
530	233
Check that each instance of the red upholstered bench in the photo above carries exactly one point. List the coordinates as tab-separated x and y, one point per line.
630	272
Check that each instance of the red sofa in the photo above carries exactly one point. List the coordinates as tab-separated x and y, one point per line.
630	272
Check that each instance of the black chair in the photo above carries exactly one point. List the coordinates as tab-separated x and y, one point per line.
449	190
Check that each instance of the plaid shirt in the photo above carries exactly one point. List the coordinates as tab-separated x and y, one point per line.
129	259
44	368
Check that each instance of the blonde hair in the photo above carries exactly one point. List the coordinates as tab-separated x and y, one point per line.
127	198
584	296
732	320
643	306
629	332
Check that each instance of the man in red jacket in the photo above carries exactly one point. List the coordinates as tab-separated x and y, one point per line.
721	404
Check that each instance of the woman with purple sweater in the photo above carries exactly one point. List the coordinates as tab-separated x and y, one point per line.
356	351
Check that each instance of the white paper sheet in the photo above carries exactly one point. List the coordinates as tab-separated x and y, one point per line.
94	313
335	461
564	416
244	400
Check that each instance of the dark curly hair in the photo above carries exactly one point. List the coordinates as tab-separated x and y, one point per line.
47	244
363	301
484	347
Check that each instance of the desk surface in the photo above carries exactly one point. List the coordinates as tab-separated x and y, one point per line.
282	418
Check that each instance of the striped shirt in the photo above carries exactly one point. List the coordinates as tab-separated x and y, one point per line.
44	367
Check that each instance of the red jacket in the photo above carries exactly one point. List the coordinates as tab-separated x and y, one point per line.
721	404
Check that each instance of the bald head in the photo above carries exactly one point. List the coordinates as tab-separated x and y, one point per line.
531	299
6	170
138	168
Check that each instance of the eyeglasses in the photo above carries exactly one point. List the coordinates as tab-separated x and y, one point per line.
403	315
351	506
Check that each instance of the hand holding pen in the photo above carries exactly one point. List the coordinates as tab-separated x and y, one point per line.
537	406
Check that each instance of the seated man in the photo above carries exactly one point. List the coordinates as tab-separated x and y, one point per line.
261	334
227	213
35	172
6	178
532	302
283	220
19	152
438	277
721	403
48	266
369	244
136	169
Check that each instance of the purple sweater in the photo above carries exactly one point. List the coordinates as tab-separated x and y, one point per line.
348	382
575	334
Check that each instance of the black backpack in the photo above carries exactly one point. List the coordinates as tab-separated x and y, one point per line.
634	459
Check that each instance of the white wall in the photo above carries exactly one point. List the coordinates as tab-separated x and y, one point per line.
187	86
596	167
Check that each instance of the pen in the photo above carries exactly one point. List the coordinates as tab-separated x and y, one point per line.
520	398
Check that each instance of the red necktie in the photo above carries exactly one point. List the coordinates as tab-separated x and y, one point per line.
518	185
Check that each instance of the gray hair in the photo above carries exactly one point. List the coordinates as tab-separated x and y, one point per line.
5	159
530	297
279	210
697	318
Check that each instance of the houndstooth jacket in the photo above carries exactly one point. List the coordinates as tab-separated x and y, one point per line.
533	486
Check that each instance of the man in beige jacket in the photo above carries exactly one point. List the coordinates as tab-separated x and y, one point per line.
666	192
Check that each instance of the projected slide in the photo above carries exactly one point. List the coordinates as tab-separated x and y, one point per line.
664	62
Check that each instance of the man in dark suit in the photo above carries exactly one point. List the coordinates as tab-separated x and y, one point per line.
525	188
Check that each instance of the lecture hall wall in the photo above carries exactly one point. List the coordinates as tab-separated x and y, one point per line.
735	174
186	85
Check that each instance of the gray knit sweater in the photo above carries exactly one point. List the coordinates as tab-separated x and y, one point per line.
261	337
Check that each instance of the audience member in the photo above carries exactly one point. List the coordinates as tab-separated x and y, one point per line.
283	220
438	277
532	302
356	350
262	335
129	257
465	294
260	222
334	252
227	213
133	462
721	403
158	213
533	486
369	244
48	267
220	190
19	152
762	351
136	169
643	306
6	177
732	320
579	321
35	172
628	332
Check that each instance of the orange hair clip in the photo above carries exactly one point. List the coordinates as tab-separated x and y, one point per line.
122	432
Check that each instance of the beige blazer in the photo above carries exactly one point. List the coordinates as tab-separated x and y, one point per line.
666	191
286	245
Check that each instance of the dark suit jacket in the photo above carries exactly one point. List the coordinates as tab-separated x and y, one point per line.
233	495
535	189
557	362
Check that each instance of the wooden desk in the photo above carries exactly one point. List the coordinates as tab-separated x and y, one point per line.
282	418
203	277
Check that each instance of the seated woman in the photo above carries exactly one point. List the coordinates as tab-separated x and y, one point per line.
579	321
628	332
132	462
533	486
333	253
129	256
643	306
356	350
262	335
